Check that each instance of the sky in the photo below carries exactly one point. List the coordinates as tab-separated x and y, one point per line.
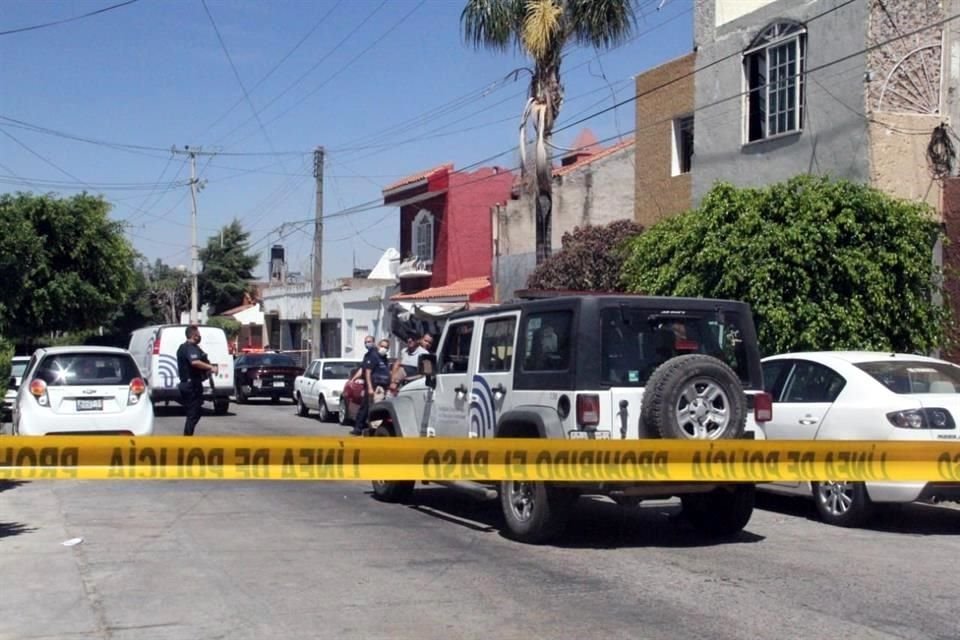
387	87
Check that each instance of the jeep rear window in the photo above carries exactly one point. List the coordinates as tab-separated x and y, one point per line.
547	341
634	342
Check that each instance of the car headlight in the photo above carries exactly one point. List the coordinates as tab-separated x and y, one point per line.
927	418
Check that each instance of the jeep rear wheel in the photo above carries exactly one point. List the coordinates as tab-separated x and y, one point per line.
694	397
535	512
723	512
391	490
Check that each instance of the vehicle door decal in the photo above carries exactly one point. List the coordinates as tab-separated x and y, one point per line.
167	368
483	412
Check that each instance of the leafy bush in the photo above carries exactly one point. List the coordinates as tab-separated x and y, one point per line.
825	265
590	259
6	356
230	326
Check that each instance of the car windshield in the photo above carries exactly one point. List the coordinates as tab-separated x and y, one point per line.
913	376
17	369
272	360
72	369
635	341
338	370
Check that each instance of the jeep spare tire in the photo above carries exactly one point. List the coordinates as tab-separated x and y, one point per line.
694	397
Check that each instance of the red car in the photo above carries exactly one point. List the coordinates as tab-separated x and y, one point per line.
350	398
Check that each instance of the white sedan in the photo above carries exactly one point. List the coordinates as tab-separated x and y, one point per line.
320	386
74	390
861	396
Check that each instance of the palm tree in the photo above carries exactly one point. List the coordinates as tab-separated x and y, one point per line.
541	29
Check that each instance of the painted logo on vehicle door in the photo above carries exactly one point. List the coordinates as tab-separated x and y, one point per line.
483	411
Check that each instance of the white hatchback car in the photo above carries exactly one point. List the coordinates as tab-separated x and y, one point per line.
82	390
835	395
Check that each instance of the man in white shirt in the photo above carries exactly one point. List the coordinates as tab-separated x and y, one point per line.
409	358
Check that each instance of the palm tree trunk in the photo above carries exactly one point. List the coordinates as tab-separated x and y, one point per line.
548	93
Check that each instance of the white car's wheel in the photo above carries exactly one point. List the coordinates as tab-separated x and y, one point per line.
323	413
844	504
302	409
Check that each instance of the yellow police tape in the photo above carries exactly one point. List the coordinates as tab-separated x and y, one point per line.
283	458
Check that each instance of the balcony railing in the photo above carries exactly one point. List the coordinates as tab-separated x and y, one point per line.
415	268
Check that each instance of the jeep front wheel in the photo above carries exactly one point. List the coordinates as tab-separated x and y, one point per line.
535	512
694	397
391	490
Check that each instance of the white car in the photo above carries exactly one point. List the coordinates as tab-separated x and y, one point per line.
320	386
17	366
82	390
861	396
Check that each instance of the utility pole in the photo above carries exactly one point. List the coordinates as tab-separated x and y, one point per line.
195	186
315	315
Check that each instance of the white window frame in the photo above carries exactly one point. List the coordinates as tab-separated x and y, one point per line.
676	129
777	39
423	220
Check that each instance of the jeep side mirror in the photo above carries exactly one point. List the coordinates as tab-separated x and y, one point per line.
427	367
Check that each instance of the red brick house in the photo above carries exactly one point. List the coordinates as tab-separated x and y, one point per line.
446	240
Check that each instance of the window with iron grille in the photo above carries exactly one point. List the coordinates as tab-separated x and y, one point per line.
774	68
423	236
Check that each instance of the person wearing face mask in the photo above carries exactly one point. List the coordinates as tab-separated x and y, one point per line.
194	367
371	359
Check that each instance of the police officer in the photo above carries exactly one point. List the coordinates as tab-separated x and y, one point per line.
194	368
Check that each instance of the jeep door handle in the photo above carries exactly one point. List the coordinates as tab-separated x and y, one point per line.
809	420
500	389
461	389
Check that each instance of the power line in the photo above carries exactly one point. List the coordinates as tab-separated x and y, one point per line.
65	20
236	74
304	75
276	66
21	124
346	65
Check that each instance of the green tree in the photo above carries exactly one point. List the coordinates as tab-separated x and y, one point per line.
825	265
6	363
167	290
227	268
541	29
230	326
590	259
64	264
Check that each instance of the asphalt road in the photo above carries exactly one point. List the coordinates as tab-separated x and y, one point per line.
238	560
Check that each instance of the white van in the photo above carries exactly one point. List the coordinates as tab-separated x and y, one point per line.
155	350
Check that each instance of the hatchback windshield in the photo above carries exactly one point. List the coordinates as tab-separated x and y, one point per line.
71	369
338	370
636	341
909	377
17	369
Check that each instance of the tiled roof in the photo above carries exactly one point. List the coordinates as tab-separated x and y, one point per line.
562	171
460	289
423	175
586	143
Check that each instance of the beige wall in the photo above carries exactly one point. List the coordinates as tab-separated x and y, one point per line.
658	193
730	10
898	156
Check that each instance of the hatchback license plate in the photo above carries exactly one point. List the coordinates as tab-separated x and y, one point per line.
90	404
585	435
279	384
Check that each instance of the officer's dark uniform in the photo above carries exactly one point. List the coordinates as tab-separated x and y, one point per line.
191	383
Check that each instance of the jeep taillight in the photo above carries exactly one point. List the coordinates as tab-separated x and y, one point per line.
137	389
156	343
588	409
38	389
763	407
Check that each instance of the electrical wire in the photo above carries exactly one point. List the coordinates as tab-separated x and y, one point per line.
66	20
